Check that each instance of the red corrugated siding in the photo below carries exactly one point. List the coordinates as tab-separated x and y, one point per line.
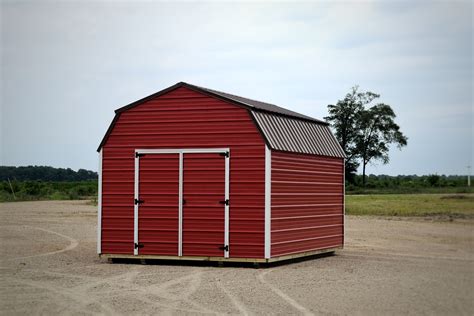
183	118
158	215
307	203
203	215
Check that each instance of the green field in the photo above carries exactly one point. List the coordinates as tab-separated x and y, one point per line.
350	190
430	205
448	203
47	190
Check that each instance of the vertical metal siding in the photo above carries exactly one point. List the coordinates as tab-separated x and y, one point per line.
184	118
307	203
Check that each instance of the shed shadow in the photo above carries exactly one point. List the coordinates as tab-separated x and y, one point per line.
218	264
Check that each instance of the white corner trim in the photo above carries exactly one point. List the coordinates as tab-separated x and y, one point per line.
99	205
268	202
344	201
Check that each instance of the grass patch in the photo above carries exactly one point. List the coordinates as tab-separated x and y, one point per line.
350	190
429	205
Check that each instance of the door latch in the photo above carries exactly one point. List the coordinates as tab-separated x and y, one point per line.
139	245
225	202
137	201
226	248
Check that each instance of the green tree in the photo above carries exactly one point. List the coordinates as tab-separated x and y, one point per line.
433	180
344	117
365	133
377	131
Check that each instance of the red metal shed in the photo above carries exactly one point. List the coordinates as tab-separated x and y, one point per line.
197	174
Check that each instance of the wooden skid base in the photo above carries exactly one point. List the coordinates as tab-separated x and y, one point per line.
221	259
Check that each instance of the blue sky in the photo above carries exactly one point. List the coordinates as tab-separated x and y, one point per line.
65	66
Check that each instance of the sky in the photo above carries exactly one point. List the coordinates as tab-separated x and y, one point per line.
66	66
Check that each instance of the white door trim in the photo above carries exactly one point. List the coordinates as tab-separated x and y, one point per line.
181	152
180	206
226	205
135	205
99	206
268	202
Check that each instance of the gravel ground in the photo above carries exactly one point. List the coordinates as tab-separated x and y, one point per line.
404	266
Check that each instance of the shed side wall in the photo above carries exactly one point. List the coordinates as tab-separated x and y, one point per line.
184	118
307	203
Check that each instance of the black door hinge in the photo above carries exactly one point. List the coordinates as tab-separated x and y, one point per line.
139	155
225	202
138	201
139	245
225	154
226	247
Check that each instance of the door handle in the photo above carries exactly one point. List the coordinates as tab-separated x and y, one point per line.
226	247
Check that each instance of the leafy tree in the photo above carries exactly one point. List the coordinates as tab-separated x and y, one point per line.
365	133
377	131
344	117
433	180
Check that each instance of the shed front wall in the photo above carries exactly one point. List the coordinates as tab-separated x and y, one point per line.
184	118
307	203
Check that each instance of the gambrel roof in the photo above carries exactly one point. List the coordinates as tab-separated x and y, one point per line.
282	129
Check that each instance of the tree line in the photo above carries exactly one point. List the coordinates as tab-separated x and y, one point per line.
45	173
47	190
381	182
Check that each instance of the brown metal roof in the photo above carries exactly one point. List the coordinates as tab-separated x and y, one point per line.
282	129
240	101
258	104
294	135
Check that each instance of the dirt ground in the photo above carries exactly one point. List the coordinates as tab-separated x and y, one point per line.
409	266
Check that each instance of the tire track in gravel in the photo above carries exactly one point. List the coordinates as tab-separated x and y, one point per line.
194	281
284	296
122	286
79	298
391	256
85	291
239	305
120	279
73	243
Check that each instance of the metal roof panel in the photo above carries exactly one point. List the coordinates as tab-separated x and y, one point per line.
291	134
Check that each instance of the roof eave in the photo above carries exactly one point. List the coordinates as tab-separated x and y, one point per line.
150	97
